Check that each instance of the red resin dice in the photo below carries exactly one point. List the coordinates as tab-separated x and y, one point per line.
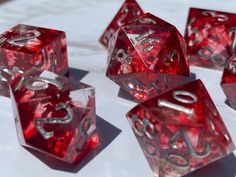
129	11
228	81
210	37
147	57
180	130
54	115
27	46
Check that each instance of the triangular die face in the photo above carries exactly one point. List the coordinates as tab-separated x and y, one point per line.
135	84
159	83
172	57
147	41
124	59
129	10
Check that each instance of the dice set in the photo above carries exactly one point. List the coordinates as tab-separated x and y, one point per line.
53	114
177	125
176	122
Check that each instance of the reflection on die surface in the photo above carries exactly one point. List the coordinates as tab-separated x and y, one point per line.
180	130
148	57
26	46
210	37
54	115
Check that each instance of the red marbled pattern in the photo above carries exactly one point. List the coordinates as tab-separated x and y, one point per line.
147	63
129	10
30	105
208	32
204	126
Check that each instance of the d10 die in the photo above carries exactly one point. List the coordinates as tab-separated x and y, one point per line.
228	81
28	46
129	11
210	37
147	57
180	130
54	115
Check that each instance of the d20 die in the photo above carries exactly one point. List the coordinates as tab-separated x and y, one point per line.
54	115
180	130
228	81
28	46
128	11
210	37
147	57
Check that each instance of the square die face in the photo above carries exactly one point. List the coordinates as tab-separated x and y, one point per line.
210	37
28	46
180	130
54	115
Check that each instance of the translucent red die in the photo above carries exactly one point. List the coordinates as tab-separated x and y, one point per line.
180	130
228	81
54	115
147	57
128	11
26	46
210	37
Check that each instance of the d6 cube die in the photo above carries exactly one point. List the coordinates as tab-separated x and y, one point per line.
128	11
147	57
26	46
180	130
54	114
210	37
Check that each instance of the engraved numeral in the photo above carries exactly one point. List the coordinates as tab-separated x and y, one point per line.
174	55
207	53
54	120
27	36
232	66
179	162
146	21
232	33
134	84
10	72
123	57
107	36
157	84
124	11
177	96
193	152
220	17
143	130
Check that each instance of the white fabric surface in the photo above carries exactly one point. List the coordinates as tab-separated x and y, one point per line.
84	22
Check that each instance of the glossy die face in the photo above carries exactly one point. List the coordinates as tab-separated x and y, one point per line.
129	11
210	37
28	46
180	130
54	115
228	81
147	57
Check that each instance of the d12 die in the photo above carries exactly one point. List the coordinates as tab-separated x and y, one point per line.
228	81
147	57
54	115
210	37
180	130
28	46
129	11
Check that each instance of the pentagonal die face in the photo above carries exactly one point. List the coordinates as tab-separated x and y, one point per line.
210	37
54	115
129	11
180	130
228	81
147	58
27	46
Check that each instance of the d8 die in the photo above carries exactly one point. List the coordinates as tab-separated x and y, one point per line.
129	11
54	115
28	46
147	57
180	130
228	81
210	37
